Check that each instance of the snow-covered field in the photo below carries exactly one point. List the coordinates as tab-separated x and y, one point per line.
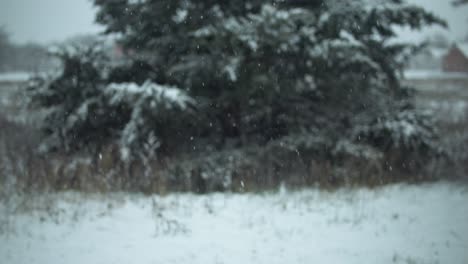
425	224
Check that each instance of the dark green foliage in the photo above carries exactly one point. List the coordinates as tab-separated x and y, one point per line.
460	2
137	71
5	47
272	67
406	130
65	95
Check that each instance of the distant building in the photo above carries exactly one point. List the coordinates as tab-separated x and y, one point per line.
456	59
450	59
438	67
428	59
444	64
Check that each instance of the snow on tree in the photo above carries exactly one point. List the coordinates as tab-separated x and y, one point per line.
70	96
151	105
85	111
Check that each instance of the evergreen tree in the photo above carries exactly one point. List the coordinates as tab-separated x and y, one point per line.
5	49
271	68
69	95
317	78
460	2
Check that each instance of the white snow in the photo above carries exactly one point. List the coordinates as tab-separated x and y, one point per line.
433	74
15	76
232	68
120	91
396	224
180	16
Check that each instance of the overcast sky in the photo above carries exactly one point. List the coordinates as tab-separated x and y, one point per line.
47	21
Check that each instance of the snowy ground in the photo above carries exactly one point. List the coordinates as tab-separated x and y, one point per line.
396	224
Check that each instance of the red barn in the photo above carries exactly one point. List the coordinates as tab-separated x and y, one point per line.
456	60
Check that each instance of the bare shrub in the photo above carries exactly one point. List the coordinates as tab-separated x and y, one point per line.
164	225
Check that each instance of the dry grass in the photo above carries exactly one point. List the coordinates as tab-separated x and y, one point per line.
23	168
